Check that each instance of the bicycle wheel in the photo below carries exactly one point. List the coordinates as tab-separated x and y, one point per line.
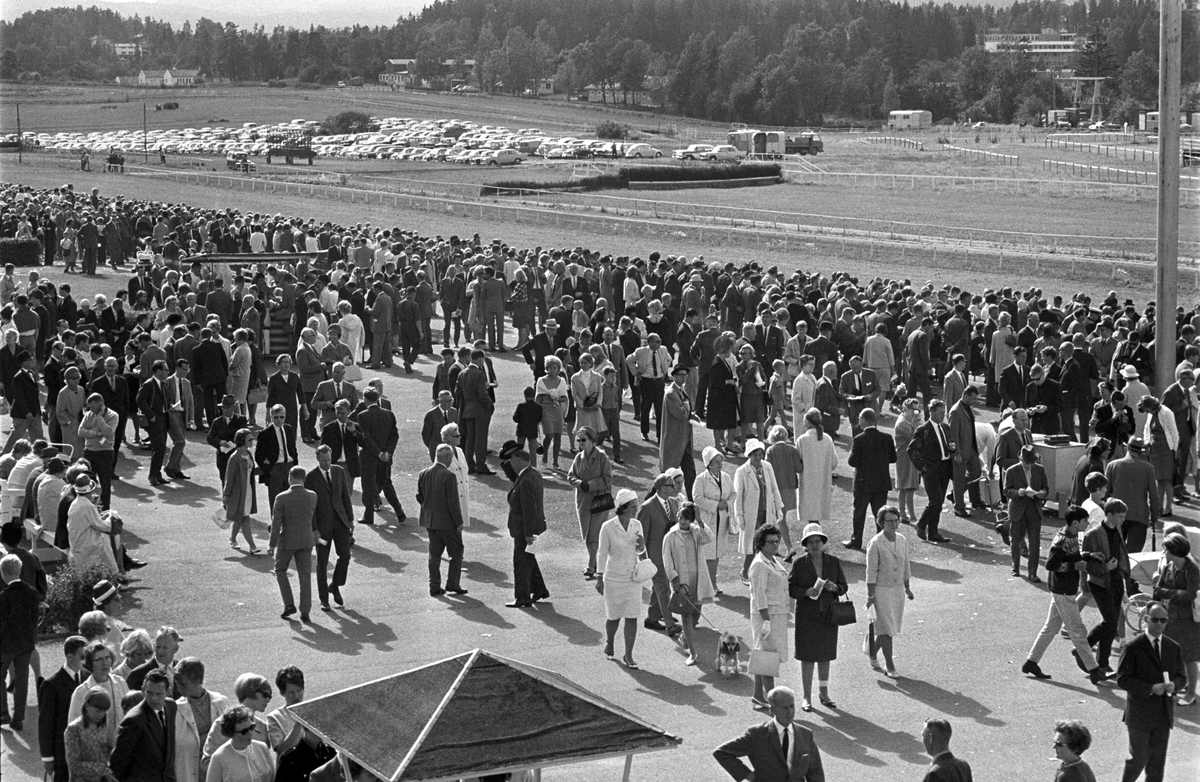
1133	609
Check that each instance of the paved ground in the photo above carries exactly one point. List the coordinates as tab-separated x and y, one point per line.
964	639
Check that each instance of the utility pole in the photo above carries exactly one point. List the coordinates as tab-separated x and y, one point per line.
20	138
1167	274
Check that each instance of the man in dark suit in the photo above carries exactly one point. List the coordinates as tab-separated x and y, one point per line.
870	455
340	435
220	303
292	526
441	515
26	403
1180	399
858	389
1076	390
377	436
1151	670
438	416
779	751
212	372
333	520
276	453
920	366
966	452
945	767
526	520
540	345
54	702
145	746
1026	487
222	430
931	452
1014	379
1044	401
475	414
166	646
152	403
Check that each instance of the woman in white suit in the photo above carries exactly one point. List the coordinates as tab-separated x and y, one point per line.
756	501
820	460
621	545
712	491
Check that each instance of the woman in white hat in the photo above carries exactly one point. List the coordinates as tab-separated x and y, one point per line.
815	583
713	494
621	545
820	460
757	500
90	532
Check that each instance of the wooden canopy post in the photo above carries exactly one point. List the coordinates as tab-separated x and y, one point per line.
628	767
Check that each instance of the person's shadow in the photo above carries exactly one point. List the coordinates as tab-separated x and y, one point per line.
352	633
954	704
848	736
576	632
673	691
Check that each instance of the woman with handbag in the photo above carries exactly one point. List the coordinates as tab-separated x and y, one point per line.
591	475
238	494
624	569
1176	584
713	495
683	565
769	607
757	501
816	583
587	389
888	577
1162	436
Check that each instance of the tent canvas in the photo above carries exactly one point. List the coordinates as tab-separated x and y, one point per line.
475	713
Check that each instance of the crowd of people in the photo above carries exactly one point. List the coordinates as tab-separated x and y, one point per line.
793	374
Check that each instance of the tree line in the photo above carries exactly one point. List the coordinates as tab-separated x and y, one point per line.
775	62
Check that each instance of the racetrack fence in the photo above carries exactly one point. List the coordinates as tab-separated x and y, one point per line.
982	155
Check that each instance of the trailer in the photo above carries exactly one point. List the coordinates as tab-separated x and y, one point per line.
910	119
773	144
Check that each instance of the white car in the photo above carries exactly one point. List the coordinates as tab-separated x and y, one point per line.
503	157
723	153
642	150
693	152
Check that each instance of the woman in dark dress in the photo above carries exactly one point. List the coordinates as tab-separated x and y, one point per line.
816	638
723	394
1092	461
283	388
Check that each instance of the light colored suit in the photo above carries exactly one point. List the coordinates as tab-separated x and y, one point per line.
292	520
190	764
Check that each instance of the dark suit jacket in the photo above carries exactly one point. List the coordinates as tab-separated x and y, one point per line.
137	677
761	746
473	387
924	450
526	512
947	768
437	491
377	433
1013	382
26	401
655	525
1024	507
1173	399
1049	393
266	451
54	701
152	403
1139	670
345	450
143	752
333	502
536	350
962	430
210	365
870	455
431	427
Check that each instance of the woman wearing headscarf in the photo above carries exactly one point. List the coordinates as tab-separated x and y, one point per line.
683	563
820	460
591	474
908	477
587	390
815	583
620	546
756	501
91	532
888	576
352	330
713	494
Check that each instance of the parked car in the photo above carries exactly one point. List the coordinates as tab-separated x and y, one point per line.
722	153
642	150
503	157
692	152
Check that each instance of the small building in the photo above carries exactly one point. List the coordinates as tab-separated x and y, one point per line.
180	77
397	73
602	93
401	72
909	119
127	50
151	78
1050	49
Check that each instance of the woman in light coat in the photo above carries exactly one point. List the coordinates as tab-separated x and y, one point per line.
769	606
713	494
804	395
91	532
238	494
683	565
352	330
591	474
68	411
239	369
190	762
756	501
587	388
621	545
820	460
1162	440
889	574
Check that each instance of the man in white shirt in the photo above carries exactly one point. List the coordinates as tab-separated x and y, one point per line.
180	410
804	394
779	750
649	366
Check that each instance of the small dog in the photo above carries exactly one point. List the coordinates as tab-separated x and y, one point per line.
727	655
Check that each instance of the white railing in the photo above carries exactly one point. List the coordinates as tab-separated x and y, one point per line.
984	155
896	141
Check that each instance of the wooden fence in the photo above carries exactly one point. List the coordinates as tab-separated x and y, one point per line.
1144	154
984	155
895	141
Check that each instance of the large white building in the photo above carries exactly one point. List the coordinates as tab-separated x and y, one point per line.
1051	50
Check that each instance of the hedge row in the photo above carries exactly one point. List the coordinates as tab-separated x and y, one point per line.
20	252
621	180
618	181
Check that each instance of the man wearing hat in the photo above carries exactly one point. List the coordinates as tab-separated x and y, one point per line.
223	429
675	443
540	345
26	410
1132	480
1026	487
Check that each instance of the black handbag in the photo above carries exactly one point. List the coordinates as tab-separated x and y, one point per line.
839	613
602	502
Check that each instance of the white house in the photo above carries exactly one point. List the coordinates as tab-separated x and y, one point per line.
151	78
601	93
180	77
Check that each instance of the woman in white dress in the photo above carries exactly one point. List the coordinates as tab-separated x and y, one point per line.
756	501
586	387
621	545
816	482
239	369
888	577
713	494
99	659
458	465
352	330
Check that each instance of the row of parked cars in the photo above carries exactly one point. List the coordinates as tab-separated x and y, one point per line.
251	138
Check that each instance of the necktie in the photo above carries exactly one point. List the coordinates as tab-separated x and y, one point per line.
858	388
942	441
328	478
283	453
1157	650
338	390
785	745
162	720
654	364
78	679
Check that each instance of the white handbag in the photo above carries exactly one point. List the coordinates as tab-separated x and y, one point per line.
644	570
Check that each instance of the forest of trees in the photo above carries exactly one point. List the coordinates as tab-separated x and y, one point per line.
776	62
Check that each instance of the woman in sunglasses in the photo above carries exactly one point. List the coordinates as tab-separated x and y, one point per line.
242	758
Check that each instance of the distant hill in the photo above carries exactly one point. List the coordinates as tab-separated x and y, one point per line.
267	13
